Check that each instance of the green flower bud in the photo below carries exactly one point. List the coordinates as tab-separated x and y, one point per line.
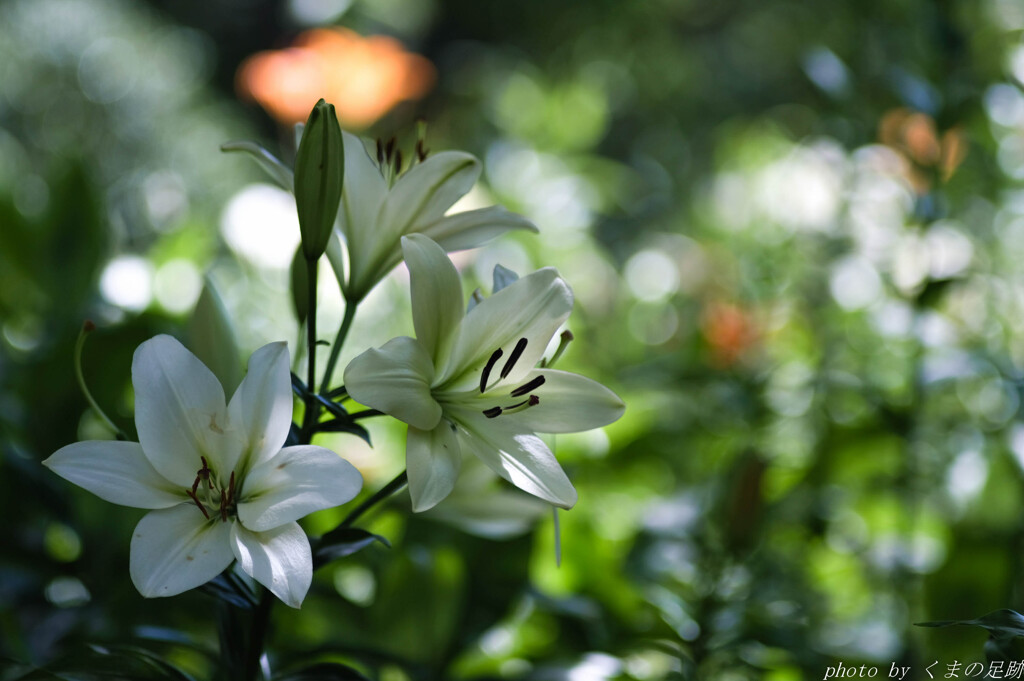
319	170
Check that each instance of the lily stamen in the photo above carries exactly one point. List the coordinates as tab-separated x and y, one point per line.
528	387
198	503
517	352
495	356
493	412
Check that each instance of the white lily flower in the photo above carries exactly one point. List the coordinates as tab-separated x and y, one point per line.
374	216
222	485
467	382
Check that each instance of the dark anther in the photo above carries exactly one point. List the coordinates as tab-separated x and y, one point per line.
421	151
495	356
380	152
389	148
198	503
517	351
231	489
493	412
204	472
528	387
534	400
398	161
223	506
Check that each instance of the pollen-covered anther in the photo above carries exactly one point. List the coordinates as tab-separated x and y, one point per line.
486	373
528	387
517	352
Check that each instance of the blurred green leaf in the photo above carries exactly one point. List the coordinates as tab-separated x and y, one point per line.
278	171
324	671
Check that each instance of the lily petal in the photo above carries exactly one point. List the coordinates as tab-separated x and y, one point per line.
179	411
423	194
279	559
432	458
363	194
294	483
569	403
117	472
176	549
521	458
532	308
396	379
261	408
436	296
473	228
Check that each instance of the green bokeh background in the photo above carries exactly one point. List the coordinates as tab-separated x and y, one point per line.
818	328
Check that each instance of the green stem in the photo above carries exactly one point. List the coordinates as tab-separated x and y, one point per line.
339	340
257	636
383	493
312	407
87	328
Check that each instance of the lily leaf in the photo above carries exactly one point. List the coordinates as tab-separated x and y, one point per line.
346	425
324	671
278	171
1003	622
229	588
344	541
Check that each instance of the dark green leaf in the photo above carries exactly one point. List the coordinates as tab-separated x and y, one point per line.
346	425
229	588
1001	622
344	541
324	671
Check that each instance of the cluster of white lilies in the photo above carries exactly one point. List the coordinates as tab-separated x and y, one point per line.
217	475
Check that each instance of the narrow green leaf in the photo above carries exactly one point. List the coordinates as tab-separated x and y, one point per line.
319	171
324	671
344	541
278	171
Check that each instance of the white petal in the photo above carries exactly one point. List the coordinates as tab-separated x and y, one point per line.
117	472
569	403
396	380
473	228
432	458
294	483
362	196
261	409
279	559
532	308
179	411
436	296
176	549
423	194
521	458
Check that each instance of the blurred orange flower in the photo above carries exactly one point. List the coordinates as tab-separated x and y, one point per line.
363	77
730	331
914	136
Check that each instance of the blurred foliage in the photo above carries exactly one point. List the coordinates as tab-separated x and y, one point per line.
794	231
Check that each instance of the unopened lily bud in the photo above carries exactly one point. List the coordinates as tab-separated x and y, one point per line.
319	171
300	285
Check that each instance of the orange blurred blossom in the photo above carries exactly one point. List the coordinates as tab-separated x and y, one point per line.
730	331
363	77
